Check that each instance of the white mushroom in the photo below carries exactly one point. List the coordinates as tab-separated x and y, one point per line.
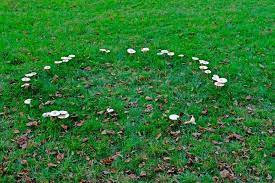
47	67
102	50
202	67
58	62
174	117
27	101
110	110
171	54
219	84
25	79
65	60
54	113
215	77
180	55
25	85
145	50
71	56
207	72
203	62
131	51
31	74
164	51
63	115
195	58
46	114
222	80
160	53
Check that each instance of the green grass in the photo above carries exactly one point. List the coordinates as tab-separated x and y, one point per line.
235	36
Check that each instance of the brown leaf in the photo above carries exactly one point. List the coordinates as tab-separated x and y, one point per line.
60	156
149	108
65	127
22	142
79	123
108	132
226	174
148	98
33	123
51	165
143	174
109	160
233	136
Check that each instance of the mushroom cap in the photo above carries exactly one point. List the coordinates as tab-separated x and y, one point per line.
58	62
195	58
219	84
207	71
174	117
46	114
164	51
171	54
54	113
71	56
25	85
160	53
31	74
180	55
65	60
63	116
203	62
215	77
102	50
47	67
110	110
203	67
145	49
222	80
107	51
27	101
26	79
63	112
131	51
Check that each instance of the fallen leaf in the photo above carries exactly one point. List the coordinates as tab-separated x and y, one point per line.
191	121
79	123
33	123
52	165
60	156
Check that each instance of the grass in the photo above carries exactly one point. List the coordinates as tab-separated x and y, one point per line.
235	135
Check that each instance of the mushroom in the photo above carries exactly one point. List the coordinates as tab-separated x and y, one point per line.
171	54
58	62
47	67
195	58
215	77
222	80
27	101
54	113
174	117
207	72
26	79
131	51
202	67
219	84
180	55
145	50
203	62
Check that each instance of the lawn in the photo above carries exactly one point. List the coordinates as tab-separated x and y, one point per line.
119	104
